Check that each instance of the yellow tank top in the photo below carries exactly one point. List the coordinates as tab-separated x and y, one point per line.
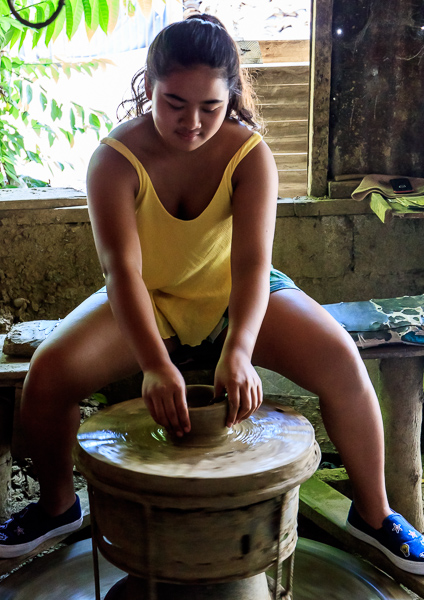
186	264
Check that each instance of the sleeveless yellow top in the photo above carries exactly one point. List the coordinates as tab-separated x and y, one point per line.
186	264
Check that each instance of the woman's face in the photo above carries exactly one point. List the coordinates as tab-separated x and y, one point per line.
188	106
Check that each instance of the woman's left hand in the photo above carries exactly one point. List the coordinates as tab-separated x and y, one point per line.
236	375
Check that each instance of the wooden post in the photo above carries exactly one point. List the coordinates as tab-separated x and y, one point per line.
320	87
401	396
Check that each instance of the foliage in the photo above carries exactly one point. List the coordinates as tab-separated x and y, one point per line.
21	83
100	398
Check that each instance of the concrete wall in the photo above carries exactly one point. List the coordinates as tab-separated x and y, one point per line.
336	250
48	262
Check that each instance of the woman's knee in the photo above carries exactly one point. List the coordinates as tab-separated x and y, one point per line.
346	371
48	376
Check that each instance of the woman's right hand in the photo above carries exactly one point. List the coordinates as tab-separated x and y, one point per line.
164	392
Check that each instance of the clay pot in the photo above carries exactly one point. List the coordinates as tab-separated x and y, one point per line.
207	417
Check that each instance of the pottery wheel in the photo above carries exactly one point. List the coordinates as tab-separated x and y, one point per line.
270	448
321	572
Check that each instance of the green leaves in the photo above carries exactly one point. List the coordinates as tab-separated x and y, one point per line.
74	12
94	13
21	89
23	93
43	101
56	110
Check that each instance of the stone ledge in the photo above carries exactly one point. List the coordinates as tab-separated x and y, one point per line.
308	206
44	216
66	205
48	197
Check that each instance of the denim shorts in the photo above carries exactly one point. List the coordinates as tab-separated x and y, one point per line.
278	281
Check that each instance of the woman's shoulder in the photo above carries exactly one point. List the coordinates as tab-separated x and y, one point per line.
106	160
130	132
233	136
236	130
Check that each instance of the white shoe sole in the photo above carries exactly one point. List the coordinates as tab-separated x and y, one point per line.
22	549
416	568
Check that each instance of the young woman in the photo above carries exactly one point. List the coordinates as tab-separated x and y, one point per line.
182	199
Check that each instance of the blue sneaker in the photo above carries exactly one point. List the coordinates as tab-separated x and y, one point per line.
397	539
30	527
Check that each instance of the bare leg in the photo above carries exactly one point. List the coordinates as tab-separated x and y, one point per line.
301	341
86	352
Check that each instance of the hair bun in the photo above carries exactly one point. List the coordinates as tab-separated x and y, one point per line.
206	18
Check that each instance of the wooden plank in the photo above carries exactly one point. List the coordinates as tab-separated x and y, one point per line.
287	129
391	351
321	44
41	198
287	74
289	144
273	51
283	94
291	162
292	177
328	509
284	112
291	190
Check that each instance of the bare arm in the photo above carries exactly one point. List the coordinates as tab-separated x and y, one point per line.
254	211
112	186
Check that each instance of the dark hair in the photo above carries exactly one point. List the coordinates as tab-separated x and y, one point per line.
198	40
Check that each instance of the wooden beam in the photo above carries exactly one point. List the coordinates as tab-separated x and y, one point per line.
292	177
274	51
283	73
321	45
287	129
292	144
283	94
284	112
291	162
286	189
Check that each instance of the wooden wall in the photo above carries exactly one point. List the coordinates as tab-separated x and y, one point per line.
282	87
377	88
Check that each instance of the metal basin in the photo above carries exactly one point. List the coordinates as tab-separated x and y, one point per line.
320	572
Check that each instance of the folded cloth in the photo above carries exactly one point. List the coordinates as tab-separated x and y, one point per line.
386	321
381	184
